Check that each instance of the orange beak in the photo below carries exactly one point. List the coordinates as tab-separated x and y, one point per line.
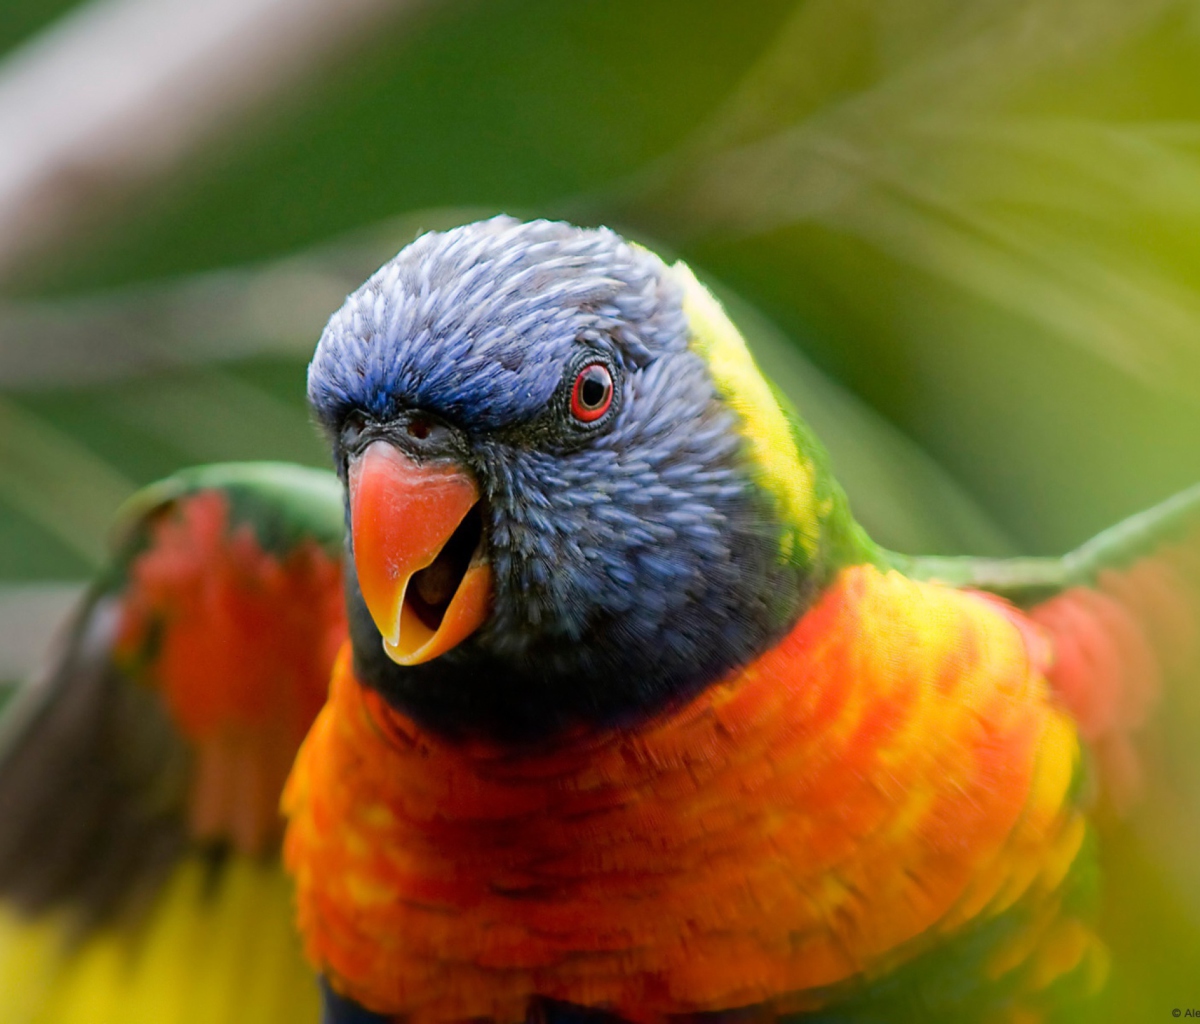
417	536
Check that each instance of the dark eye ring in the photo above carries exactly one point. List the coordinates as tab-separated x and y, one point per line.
592	393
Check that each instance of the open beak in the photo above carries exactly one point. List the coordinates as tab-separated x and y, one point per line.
417	533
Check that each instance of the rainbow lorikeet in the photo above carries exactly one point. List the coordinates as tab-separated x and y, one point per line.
628	717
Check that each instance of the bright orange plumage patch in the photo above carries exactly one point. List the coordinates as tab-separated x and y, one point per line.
240	641
892	770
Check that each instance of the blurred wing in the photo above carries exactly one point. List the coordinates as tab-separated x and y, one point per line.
1167	534
140	776
1123	615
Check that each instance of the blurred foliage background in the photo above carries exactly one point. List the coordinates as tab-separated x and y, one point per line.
963	234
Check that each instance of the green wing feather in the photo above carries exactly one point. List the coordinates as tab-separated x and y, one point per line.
1027	581
285	502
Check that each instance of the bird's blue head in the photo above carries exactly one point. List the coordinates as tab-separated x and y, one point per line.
562	507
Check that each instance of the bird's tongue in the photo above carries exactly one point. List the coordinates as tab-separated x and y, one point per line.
416	530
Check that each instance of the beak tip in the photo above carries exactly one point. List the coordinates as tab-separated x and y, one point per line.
391	637
467	611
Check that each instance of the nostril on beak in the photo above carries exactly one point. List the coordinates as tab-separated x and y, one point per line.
419	427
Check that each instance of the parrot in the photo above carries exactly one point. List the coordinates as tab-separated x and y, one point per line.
576	693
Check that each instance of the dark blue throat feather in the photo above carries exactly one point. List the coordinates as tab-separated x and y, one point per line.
634	560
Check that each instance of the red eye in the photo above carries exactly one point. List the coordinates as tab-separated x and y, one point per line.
592	394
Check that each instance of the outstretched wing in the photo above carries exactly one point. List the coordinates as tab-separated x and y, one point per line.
1167	534
1123	615
140	775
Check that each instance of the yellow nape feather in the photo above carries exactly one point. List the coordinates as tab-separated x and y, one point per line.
784	471
206	953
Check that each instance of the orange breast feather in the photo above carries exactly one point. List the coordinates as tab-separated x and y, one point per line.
892	770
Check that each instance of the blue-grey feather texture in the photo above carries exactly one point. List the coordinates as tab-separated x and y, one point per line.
474	323
639	523
633	560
